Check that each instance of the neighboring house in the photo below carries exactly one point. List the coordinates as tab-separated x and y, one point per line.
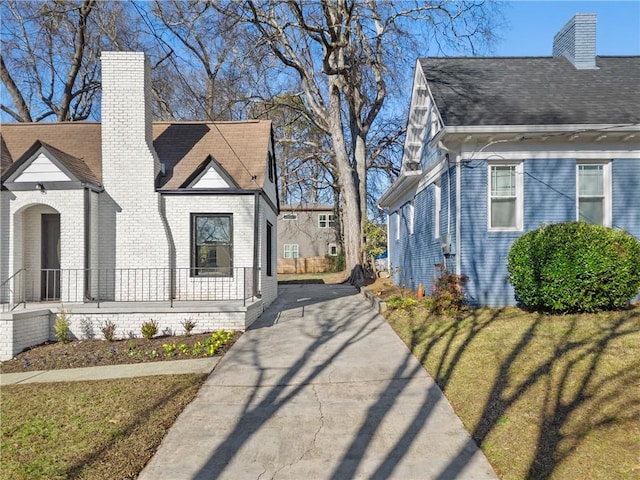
306	235
178	219
497	147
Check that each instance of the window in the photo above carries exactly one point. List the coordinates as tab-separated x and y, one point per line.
290	216
326	220
409	216
593	193
290	250
212	245
333	249
505	197
271	167
437	202
396	216
269	249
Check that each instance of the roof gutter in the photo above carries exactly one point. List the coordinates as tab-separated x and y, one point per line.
569	128
404	181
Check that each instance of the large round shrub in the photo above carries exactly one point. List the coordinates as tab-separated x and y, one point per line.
575	267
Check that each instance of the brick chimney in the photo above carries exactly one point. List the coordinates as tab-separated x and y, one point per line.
131	211
577	41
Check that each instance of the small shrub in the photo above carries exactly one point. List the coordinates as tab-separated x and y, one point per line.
188	324
448	292
62	326
575	267
108	331
336	262
401	303
169	348
86	325
149	329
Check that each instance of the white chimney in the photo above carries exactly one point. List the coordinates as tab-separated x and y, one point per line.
577	41
131	211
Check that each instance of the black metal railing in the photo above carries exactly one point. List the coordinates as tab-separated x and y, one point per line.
127	285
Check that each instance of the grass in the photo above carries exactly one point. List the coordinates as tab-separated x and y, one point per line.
546	397
88	430
324	277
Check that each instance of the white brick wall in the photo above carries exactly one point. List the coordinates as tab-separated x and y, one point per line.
268	285
178	210
20	330
5	238
25	211
129	168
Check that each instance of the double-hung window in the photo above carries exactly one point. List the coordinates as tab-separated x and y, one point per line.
505	196
290	250
212	244
326	220
593	193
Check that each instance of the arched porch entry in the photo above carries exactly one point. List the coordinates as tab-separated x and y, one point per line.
37	243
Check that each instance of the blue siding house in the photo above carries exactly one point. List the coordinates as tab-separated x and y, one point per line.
496	147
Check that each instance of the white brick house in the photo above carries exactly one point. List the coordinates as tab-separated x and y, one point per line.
129	219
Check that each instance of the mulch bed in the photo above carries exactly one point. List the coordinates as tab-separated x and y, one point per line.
92	353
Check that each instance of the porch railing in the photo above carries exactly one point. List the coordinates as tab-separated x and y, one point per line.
127	285
12	290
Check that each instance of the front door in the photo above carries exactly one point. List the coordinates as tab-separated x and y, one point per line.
50	276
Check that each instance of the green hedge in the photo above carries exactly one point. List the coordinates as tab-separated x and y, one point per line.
575	267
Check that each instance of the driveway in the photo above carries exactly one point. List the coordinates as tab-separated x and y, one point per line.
319	388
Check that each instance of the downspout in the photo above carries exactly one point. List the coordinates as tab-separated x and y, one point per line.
87	242
458	214
256	242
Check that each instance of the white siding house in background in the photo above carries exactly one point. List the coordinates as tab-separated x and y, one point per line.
128	220
497	147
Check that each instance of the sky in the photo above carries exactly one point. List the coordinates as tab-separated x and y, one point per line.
531	26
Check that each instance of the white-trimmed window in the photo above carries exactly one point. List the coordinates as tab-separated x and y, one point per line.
326	220
333	250
593	185
408	212
290	250
437	207
505	196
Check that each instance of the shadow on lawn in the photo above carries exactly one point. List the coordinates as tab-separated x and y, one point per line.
574	386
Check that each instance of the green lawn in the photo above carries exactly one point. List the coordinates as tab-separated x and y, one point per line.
88	430
544	396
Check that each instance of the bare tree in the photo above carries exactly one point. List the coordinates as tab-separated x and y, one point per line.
43	65
341	52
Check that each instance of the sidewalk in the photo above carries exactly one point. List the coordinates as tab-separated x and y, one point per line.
198	365
319	388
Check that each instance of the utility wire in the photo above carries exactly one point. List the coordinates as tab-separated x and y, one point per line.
169	53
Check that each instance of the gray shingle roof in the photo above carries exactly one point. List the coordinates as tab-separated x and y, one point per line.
475	91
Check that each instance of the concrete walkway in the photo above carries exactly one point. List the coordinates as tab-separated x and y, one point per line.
107	372
319	388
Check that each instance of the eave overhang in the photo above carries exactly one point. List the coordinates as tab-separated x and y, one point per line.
405	181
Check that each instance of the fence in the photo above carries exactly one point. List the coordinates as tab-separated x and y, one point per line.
127	285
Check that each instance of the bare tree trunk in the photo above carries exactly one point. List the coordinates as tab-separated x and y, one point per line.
351	214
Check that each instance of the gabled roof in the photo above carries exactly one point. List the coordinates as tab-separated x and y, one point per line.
74	166
478	91
241	148
75	139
